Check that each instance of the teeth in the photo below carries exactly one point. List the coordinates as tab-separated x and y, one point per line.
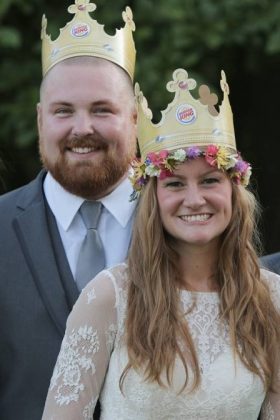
196	218
82	150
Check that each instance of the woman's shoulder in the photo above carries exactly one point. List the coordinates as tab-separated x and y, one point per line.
118	275
273	281
108	284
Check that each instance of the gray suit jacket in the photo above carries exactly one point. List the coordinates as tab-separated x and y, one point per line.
272	262
37	292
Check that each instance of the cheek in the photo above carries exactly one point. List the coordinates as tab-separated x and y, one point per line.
54	130
50	138
226	204
226	199
168	202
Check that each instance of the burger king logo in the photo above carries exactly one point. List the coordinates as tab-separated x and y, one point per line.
186	114
80	29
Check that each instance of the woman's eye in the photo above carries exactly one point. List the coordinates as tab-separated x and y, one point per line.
174	184
211	180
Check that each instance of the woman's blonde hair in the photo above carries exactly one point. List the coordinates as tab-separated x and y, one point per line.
155	323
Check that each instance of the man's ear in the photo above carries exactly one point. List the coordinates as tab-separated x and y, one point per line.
135	116
39	117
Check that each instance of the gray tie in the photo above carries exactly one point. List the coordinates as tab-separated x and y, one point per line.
91	258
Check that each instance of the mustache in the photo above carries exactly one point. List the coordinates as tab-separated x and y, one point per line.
91	141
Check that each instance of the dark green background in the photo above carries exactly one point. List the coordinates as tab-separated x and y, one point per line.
203	36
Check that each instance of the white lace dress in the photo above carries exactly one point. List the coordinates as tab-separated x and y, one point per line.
92	358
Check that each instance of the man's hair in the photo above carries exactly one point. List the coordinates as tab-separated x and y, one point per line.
155	323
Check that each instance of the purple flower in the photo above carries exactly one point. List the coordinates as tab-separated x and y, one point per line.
193	152
241	166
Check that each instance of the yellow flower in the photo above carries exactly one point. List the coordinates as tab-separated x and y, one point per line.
223	158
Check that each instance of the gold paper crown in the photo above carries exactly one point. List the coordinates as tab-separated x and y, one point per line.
186	121
83	36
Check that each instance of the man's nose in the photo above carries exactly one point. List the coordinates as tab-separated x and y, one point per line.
83	125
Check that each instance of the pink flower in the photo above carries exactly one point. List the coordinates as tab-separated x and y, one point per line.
163	154
157	159
211	154
212	150
165	173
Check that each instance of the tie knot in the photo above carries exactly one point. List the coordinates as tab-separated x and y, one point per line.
90	212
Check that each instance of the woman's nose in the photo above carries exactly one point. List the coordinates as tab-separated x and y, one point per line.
194	197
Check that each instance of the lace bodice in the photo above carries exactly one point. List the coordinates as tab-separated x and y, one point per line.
93	356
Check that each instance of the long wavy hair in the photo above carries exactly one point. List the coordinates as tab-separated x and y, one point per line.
155	323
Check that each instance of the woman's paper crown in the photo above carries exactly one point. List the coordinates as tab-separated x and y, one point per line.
84	36
190	128
186	121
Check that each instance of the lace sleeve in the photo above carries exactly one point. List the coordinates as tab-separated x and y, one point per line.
85	353
271	405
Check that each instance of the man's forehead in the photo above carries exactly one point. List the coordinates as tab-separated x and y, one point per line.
94	63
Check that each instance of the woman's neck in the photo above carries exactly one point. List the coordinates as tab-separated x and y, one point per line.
198	269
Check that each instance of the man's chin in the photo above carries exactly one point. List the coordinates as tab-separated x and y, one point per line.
87	181
89	178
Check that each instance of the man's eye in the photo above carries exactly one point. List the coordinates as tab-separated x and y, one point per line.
102	110
63	111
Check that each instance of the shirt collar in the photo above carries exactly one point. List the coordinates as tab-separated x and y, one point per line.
65	205
118	204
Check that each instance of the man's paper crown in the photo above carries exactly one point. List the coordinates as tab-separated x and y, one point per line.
186	121
84	36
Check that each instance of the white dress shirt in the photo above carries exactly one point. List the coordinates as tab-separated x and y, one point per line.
114	227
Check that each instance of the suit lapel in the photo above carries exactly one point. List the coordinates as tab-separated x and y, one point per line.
33	235
276	263
65	274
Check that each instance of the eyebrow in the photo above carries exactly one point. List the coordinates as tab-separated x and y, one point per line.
64	103
211	171
71	104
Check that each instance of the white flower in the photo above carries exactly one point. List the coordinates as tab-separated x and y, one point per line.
179	155
152	171
247	176
232	160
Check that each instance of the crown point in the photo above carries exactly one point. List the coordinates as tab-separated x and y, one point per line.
127	16
142	101
44	27
208	98
223	83
81	6
181	81
136	88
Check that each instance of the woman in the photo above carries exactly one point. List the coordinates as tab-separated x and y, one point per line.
189	327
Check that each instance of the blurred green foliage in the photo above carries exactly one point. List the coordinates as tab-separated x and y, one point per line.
204	36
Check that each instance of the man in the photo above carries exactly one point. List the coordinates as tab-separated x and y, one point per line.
86	124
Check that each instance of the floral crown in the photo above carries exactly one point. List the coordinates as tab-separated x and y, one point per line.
162	164
190	128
